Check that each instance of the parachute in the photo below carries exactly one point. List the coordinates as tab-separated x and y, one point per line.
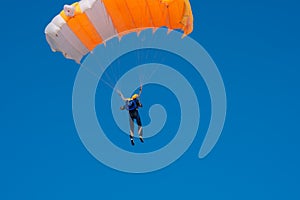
80	27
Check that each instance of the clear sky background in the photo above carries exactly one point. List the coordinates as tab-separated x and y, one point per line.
255	45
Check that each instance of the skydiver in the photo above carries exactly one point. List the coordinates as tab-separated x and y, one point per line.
132	105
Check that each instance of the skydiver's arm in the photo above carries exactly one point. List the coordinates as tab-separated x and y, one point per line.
140	92
121	95
139	104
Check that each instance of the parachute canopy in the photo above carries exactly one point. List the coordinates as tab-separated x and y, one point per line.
80	27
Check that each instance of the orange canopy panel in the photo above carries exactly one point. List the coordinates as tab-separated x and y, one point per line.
80	27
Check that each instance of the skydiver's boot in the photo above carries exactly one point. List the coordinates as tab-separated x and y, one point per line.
131	140
141	139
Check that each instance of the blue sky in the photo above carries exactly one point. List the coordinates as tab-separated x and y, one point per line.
255	45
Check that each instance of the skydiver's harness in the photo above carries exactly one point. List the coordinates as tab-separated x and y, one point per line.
133	104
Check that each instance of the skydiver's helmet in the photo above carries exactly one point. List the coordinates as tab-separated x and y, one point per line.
134	96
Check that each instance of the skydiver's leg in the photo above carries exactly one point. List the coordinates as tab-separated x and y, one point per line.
140	131
131	124
131	130
140	128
